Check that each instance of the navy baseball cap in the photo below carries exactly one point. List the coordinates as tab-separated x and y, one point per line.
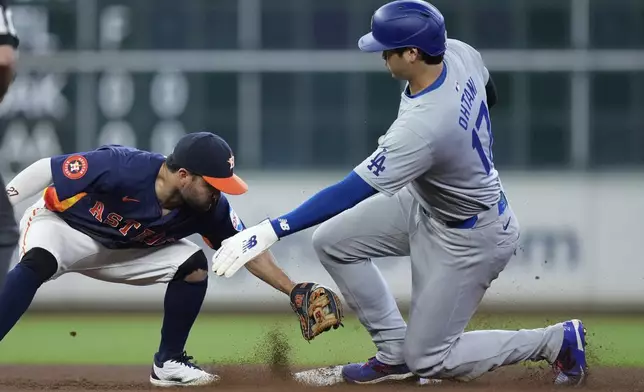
209	156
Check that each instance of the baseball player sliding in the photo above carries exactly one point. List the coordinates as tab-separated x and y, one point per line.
430	191
120	215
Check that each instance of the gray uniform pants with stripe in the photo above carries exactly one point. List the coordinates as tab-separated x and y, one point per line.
451	270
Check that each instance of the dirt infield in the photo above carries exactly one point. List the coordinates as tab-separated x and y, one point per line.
14	378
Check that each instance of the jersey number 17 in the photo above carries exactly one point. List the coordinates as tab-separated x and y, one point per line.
484	114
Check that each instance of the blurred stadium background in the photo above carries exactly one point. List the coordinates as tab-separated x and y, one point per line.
284	83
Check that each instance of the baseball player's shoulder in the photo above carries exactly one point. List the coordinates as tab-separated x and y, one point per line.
412	125
117	149
428	109
457	46
462	50
130	155
135	168
467	56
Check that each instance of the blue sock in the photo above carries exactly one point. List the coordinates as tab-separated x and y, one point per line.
182	305
17	293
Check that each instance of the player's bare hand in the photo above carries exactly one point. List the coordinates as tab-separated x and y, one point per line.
241	248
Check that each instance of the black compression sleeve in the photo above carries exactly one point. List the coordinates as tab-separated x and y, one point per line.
490	91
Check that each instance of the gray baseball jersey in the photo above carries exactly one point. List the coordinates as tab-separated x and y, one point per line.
436	155
440	146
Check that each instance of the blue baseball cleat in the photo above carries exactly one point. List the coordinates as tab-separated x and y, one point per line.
374	371
570	366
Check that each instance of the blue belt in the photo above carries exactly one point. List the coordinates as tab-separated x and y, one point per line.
471	222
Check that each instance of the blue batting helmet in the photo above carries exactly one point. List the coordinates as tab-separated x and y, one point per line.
406	23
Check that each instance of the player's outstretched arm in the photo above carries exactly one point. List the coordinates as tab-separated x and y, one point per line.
29	182
317	307
402	156
237	250
265	268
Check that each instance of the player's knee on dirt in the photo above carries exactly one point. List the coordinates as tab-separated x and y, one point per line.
194	269
42	262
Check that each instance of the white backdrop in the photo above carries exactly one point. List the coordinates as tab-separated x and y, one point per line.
580	250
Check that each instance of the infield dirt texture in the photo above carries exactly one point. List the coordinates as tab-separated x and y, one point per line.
268	355
260	379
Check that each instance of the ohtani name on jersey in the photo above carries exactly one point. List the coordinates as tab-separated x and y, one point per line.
125	226
467	101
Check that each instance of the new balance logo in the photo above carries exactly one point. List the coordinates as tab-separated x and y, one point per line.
284	224
249	244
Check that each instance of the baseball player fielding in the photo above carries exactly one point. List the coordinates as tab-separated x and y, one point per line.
121	215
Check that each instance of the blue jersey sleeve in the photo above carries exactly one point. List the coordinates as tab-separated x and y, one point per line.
221	223
87	172
324	205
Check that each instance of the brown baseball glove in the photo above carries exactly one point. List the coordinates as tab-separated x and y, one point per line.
318	308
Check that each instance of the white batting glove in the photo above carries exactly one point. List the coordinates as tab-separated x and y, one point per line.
241	248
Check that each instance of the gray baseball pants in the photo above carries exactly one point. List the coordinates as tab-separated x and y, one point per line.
451	270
